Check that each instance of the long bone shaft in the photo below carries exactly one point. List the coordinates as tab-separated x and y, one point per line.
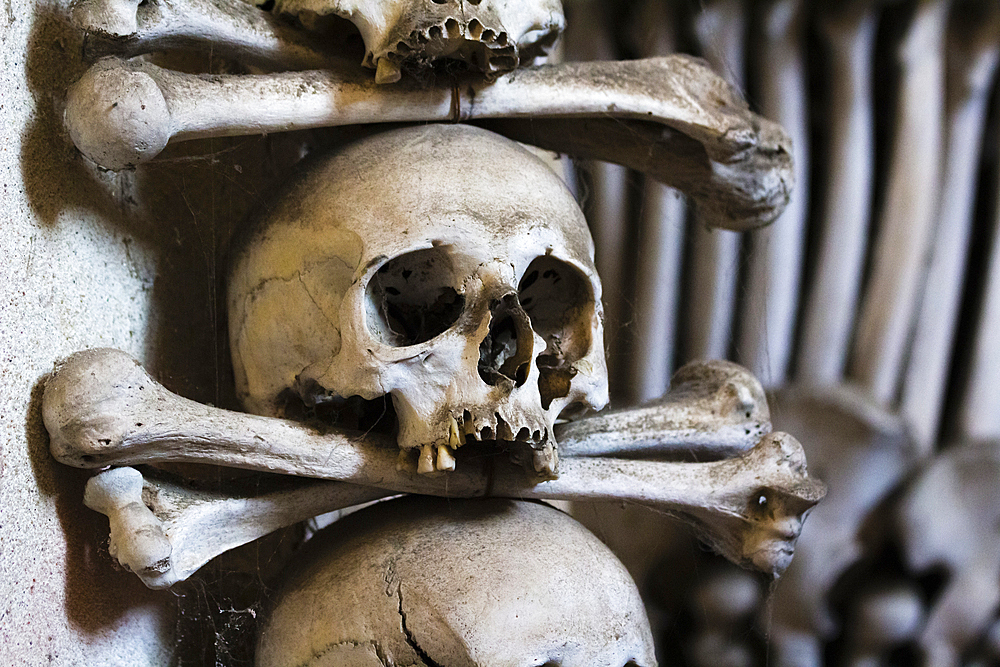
660	225
720	29
101	408
682	124
713	410
907	213
182	528
750	509
974	48
776	254
848	31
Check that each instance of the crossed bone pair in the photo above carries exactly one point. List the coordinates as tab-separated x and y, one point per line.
670	117
101	408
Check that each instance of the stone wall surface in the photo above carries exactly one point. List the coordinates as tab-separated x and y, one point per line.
93	259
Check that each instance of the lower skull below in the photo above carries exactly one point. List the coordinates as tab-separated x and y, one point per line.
430	581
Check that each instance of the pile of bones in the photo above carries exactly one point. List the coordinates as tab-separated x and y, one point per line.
446	267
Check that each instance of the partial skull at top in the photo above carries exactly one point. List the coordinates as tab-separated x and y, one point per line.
442	265
493	36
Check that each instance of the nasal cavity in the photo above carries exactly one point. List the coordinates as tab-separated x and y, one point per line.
505	353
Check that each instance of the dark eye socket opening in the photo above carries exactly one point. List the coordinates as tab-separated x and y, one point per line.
412	299
559	301
556	296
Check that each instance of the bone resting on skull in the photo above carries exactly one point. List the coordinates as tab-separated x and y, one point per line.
100	408
756	529
460	583
714	409
688	128
164	532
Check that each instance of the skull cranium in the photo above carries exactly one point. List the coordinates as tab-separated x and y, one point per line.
442	265
426	581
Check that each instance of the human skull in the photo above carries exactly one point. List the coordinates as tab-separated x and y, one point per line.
433	581
492	36
442	265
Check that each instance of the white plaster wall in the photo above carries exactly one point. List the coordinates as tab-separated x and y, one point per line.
68	280
92	259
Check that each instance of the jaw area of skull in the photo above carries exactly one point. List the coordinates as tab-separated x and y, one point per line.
444	266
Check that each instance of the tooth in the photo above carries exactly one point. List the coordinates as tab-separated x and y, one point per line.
545	460
426	462
469	428
403	462
504	431
445	460
453	438
387	72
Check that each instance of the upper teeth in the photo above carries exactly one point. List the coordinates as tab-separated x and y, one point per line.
465	428
435	457
440	456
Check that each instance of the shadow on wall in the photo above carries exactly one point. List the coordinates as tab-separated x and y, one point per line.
98	592
174	216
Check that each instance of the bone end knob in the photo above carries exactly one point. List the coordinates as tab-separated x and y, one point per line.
115	18
778	509
84	414
117	116
137	539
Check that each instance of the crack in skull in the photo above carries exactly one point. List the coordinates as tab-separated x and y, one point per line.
475	307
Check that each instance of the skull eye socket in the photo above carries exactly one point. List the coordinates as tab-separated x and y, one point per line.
560	304
412	298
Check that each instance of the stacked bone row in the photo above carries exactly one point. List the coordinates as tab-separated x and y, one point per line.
869	307
447	274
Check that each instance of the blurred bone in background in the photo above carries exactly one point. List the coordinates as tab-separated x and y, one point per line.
870	310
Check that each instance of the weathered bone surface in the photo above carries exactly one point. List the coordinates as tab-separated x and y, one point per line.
492	36
457	583
396	267
164	532
670	117
750	509
138	539
100	408
235	29
714	409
